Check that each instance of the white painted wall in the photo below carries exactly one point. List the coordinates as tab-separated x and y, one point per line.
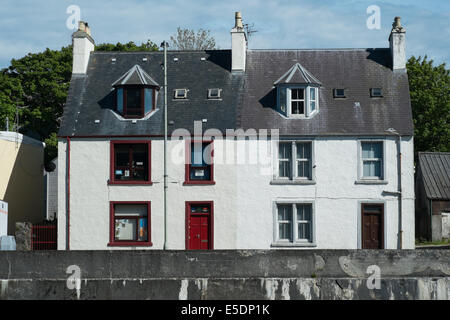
243	197
82	48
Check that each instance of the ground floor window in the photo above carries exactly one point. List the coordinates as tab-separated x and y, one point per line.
130	223
294	223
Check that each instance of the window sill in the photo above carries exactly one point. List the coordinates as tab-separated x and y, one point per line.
135	183
193	183
130	244
292	182
293	244
371	181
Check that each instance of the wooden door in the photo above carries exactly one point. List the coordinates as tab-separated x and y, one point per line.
372	226
199	225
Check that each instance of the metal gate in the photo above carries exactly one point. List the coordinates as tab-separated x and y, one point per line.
44	237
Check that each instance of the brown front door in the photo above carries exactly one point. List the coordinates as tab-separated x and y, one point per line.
372	226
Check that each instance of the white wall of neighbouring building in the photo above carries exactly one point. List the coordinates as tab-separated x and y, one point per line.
243	195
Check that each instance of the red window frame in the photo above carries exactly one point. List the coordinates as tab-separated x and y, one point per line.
188	167
118	243
142	112
113	162
211	222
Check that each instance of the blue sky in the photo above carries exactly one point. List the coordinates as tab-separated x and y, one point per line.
31	26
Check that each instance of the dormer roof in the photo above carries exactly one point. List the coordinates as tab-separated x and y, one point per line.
135	76
298	74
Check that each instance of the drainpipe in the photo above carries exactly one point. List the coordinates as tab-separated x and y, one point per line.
68	195
399	183
164	44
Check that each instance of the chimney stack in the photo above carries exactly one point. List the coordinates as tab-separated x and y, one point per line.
83	44
397	44
238	45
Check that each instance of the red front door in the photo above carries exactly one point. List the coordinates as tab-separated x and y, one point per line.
199	226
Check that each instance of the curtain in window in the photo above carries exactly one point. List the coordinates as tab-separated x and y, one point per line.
304	222
284	157
372	154
285	222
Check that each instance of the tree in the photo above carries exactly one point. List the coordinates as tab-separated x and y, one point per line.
130	46
430	100
187	39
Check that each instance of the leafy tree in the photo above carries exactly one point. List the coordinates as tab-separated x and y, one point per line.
10	98
187	39
130	46
430	100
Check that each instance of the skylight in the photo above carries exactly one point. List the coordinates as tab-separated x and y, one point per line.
376	92
339	93
180	93
214	93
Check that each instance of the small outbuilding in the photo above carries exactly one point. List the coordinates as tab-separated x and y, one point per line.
433	196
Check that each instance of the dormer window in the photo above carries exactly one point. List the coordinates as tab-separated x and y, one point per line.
180	93
376	92
339	93
135	101
135	93
214	93
298	93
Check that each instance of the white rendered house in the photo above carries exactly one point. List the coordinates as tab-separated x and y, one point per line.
267	149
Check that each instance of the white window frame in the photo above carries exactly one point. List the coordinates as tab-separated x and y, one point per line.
277	242
361	177
306	100
293	162
219	94
184	94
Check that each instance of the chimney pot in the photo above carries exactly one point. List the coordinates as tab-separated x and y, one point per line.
238	20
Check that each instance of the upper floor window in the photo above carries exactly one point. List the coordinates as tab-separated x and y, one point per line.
298	101
130	162
298	93
199	162
135	101
372	160
295	160
135	93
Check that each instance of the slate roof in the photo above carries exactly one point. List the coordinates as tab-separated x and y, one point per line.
297	74
248	98
135	76
435	169
356	70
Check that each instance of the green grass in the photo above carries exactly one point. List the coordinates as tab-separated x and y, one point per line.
421	242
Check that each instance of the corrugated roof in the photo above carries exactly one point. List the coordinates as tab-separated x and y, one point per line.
435	168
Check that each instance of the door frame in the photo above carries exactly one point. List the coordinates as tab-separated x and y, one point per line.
210	224
383	224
